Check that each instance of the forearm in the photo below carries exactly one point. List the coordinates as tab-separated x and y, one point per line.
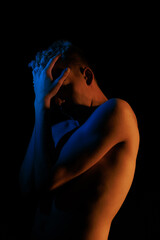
79	160
35	169
26	178
45	89
43	148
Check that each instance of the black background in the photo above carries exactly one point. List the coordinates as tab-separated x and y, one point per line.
122	43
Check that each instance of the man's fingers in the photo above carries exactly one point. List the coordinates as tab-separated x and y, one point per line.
50	65
59	81
63	76
56	85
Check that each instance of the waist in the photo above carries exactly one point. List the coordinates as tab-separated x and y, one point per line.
59	225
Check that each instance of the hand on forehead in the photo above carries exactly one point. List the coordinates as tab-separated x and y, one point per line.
57	67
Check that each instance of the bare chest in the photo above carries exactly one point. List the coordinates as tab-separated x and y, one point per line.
71	208
65	214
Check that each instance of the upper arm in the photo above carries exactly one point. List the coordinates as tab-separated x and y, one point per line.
128	130
123	122
111	123
114	122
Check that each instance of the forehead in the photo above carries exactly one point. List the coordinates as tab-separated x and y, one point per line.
57	69
60	63
59	66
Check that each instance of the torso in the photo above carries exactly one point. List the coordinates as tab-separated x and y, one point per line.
74	209
83	208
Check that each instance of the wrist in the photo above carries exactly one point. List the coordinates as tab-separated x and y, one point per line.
39	105
43	103
42	114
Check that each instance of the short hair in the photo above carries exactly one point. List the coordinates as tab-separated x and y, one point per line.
70	54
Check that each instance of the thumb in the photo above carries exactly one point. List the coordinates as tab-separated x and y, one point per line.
56	85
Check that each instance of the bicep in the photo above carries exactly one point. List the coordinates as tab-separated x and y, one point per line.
101	132
91	141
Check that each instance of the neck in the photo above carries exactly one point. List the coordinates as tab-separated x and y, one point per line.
98	97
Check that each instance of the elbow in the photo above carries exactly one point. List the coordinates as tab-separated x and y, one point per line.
59	177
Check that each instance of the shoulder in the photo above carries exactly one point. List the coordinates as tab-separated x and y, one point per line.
121	104
118	104
125	118
124	110
118	109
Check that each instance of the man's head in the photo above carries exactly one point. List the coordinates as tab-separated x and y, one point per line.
80	87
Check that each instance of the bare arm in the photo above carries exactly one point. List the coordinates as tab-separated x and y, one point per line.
113	122
35	168
26	171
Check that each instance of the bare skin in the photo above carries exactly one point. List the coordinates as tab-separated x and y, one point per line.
95	168
90	201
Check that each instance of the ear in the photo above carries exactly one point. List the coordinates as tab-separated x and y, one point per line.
88	75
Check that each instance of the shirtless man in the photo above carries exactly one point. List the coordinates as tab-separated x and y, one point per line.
81	190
